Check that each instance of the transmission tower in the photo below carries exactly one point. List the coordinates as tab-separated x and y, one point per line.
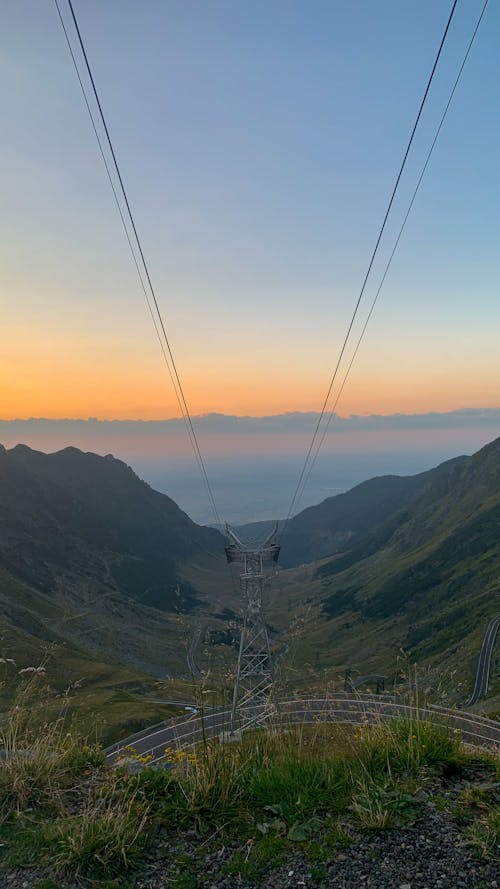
254	671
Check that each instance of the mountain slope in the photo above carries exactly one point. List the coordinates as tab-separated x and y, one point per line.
323	530
71	512
91	555
447	539
419	588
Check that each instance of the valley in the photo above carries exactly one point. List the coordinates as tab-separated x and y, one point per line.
132	603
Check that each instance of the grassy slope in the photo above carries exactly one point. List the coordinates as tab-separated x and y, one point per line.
107	625
108	699
322	530
268	801
426	584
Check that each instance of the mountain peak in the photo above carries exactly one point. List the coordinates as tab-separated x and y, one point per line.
109	515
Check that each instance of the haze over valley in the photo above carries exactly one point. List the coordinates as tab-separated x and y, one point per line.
254	462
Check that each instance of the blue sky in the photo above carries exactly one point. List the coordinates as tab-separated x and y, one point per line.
259	143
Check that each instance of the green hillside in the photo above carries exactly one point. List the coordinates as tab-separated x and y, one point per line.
90	555
94	560
71	512
420	586
335	523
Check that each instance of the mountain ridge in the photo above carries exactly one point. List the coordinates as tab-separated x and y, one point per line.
330	526
421	586
91	555
87	549
100	502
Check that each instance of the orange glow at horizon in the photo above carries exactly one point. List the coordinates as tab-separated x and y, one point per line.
74	377
47	395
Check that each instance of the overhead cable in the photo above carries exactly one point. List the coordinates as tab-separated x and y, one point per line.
118	205
368	271
332	413
165	343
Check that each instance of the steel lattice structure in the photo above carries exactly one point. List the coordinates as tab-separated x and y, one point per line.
254	671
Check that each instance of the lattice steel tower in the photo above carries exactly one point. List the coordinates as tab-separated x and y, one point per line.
254	671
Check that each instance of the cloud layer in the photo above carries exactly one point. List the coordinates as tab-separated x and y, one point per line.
221	434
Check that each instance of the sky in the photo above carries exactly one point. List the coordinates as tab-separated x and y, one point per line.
259	143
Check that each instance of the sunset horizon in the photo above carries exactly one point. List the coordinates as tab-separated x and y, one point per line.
257	209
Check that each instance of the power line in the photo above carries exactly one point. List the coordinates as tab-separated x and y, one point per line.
370	264
118	206
172	367
331	415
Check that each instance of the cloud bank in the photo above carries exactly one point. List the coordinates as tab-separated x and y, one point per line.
222	434
227	423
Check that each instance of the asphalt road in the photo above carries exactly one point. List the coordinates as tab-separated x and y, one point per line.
340	707
484	664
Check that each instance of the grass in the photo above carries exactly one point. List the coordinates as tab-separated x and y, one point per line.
378	804
253	858
106	839
41	759
304	788
410	746
484	834
108	700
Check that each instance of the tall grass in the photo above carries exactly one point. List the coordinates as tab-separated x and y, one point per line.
484	834
406	746
296	775
104	839
40	759
58	805
297	785
209	789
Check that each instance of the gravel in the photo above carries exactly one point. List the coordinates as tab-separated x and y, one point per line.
433	853
430	855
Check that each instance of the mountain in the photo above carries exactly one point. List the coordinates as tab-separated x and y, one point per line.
92	555
70	510
335	523
426	580
446	539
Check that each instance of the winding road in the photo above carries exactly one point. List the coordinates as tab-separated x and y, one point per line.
484	664
359	709
339	707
